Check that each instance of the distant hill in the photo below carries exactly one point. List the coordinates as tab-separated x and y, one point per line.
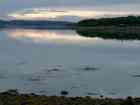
36	24
117	21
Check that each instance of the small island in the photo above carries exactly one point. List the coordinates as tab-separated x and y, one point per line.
121	28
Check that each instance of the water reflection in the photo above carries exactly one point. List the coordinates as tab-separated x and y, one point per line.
117	33
49	68
55	36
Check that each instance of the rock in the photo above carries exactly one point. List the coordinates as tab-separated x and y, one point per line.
12	92
64	92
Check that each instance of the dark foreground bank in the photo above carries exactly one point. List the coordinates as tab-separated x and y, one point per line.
12	97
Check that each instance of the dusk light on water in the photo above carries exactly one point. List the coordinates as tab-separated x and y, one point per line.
69	52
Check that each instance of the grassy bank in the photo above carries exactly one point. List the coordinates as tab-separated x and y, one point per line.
14	98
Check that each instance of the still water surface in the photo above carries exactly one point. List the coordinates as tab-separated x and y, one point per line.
49	61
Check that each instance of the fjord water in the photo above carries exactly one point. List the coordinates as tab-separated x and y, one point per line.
50	61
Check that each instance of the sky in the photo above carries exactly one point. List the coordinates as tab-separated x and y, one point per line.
11	6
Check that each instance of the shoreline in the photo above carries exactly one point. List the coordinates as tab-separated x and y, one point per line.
13	97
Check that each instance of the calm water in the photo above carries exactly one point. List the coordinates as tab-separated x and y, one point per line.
49	61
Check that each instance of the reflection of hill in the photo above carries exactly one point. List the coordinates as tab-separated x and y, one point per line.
111	32
36	24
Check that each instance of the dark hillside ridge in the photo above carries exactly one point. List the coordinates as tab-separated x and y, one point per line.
117	21
36	24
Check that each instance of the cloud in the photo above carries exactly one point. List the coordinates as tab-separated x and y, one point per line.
65	15
88	2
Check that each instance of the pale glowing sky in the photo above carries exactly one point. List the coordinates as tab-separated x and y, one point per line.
51	14
64	15
43	13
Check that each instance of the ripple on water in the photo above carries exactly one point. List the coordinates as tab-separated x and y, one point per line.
136	75
3	75
52	69
42	75
21	63
88	68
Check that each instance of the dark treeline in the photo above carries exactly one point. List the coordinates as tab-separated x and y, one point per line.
117	21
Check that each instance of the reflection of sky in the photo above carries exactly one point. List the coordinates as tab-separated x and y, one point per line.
55	36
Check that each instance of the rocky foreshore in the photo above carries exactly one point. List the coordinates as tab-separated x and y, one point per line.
13	97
